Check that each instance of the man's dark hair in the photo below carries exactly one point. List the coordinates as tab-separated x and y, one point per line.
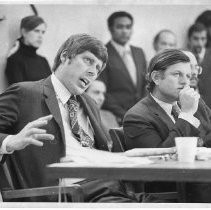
162	61
79	43
204	18
197	27
118	14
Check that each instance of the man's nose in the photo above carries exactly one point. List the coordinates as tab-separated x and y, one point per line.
92	71
185	80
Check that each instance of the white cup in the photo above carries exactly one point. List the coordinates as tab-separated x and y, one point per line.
186	148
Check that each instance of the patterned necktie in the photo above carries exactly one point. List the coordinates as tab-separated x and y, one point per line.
77	130
175	111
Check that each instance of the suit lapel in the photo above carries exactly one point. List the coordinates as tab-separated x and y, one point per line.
158	111
52	103
116	59
137	62
98	132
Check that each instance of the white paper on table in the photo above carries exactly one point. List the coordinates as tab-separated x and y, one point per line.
111	161
140	152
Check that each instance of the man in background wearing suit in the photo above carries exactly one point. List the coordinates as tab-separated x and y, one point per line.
43	121
125	72
197	40
170	110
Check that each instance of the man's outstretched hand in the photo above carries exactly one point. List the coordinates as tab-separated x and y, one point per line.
31	134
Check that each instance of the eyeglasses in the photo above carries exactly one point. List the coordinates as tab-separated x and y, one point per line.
197	68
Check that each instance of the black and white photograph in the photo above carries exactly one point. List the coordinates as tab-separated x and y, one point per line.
105	104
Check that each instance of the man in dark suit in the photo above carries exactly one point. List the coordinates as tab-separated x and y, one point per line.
197	40
157	119
125	72
43	121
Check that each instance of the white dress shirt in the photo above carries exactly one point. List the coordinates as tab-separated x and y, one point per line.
126	55
71	142
201	55
167	107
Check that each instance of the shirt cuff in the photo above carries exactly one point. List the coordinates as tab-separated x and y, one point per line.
3	148
189	118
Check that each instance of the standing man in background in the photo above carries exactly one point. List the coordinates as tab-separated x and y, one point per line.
197	37
125	72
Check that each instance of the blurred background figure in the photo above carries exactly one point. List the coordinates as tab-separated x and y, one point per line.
25	64
197	40
195	68
165	39
97	91
124	75
205	19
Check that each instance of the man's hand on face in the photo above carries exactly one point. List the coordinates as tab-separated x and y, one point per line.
189	100
31	134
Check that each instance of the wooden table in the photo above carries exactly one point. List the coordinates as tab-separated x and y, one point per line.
157	171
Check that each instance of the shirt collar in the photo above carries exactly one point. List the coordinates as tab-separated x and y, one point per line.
167	107
202	53
61	91
121	49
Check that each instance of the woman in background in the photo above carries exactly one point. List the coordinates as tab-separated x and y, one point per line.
25	64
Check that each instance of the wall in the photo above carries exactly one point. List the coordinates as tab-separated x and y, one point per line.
66	19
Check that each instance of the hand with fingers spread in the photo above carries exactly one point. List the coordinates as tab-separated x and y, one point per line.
189	100
31	134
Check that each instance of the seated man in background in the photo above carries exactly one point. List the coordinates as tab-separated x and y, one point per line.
55	115
170	110
164	39
97	91
196	70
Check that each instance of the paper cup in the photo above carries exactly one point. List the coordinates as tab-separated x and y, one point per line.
186	148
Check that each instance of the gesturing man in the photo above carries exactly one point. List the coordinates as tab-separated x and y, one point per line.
58	116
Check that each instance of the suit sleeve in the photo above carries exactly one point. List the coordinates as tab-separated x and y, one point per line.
205	119
140	133
14	70
110	102
9	110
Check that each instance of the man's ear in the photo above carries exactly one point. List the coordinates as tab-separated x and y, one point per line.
63	56
155	76
23	32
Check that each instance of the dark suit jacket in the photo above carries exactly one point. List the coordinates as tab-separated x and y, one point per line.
24	102
147	125
205	78
121	91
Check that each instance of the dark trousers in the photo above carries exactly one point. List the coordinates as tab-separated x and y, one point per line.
106	191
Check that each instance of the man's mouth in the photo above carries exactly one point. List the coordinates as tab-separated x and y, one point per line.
84	81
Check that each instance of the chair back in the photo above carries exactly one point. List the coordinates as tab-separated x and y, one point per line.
8	192
118	139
